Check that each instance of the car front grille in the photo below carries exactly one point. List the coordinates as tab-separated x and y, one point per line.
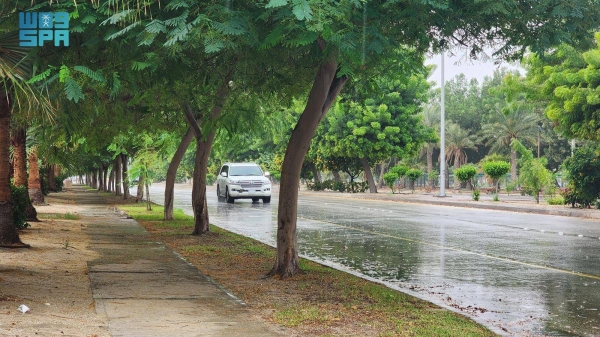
251	183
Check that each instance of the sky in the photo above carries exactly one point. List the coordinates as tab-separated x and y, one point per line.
455	65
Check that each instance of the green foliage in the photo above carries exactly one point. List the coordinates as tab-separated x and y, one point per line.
339	186
350	165
567	81
45	186
584	176
276	175
20	200
399	170
511	186
475	194
390	180
458	140
558	200
496	169
414	174
210	179
466	173
59	181
433	175
330	185
381	123
534	174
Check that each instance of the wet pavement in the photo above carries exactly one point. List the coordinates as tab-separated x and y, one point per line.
520	274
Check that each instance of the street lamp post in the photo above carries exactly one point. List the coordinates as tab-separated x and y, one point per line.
539	137
442	136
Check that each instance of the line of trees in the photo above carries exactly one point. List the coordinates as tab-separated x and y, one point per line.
142	81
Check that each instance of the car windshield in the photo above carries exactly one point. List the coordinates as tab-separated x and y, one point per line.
245	171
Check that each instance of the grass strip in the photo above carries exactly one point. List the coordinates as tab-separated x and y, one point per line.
319	302
65	216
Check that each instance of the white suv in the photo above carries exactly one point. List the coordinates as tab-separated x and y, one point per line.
243	181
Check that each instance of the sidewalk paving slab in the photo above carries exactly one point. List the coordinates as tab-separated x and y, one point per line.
145	289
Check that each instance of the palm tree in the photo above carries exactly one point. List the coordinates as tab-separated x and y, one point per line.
515	122
15	93
458	140
431	118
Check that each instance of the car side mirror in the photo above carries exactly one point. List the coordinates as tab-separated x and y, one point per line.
224	174
267	174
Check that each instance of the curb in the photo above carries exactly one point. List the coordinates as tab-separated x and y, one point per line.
571	212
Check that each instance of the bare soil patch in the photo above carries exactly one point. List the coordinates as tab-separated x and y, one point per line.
51	279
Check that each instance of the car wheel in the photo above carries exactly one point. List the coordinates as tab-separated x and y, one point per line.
255	199
229	199
266	200
219	197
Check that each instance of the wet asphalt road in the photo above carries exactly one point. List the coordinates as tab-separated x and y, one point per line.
520	274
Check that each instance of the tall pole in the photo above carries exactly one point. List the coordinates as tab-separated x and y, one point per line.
539	136
443	136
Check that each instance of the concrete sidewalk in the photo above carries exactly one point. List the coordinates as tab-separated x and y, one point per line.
144	289
511	203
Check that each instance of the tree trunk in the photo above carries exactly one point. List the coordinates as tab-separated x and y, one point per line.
124	159
203	147
447	182
19	157
9	237
323	93
100	186
34	184
148	202
199	204
172	172
456	181
513	165
367	169
381	173
105	180
315	172
336	176
140	190
111	179
118	175
51	178
20	164
430	181
56	172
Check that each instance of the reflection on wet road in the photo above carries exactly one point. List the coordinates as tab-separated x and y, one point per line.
521	273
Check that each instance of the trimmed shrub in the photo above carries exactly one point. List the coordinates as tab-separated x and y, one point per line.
413	175
390	180
466	173
399	170
559	200
496	170
20	200
339	186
